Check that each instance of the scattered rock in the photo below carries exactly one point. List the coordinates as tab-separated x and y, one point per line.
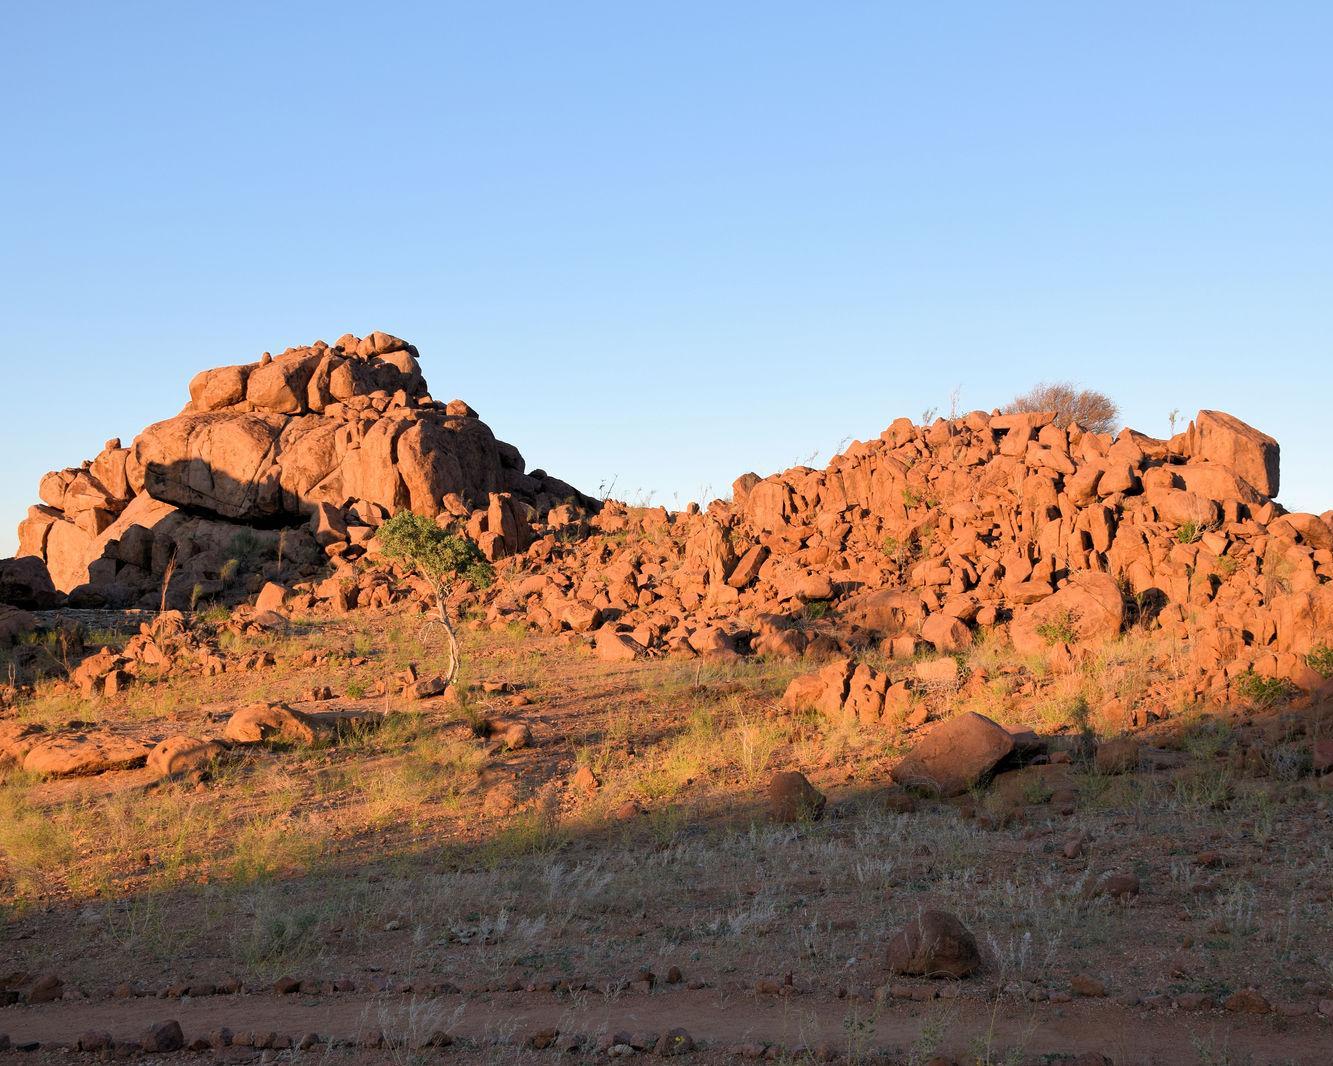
791	798
162	1037
1247	1001
934	944
183	754
954	755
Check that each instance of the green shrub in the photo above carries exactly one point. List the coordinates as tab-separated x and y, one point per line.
1261	691
1062	629
1320	660
1189	532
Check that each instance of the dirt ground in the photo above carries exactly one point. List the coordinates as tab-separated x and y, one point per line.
618	878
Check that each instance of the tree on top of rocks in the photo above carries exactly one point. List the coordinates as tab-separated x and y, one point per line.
440	557
1094	411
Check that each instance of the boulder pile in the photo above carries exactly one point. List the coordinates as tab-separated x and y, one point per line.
283	462
930	533
278	472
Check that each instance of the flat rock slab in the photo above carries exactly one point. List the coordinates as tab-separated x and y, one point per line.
84	753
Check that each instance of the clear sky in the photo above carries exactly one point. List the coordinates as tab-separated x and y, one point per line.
667	243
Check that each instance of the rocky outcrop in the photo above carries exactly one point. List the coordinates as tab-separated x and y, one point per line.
279	461
930	533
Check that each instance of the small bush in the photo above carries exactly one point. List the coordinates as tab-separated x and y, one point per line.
1189	532
1094	411
1062	629
1261	691
1320	660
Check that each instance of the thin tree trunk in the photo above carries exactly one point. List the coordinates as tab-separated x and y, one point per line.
452	673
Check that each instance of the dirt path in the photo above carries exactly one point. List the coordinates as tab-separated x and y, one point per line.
954	1027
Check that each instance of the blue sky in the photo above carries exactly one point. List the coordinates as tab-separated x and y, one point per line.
669	243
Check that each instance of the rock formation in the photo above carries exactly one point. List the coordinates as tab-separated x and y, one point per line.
294	456
930	533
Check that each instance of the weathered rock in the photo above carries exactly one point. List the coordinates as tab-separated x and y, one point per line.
617	647
182	754
18	738
162	1037
954	755
1089	609
280	441
69	754
25	582
1220	438
934	944
261	723
791	798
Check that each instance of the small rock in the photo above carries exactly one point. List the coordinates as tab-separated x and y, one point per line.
935	944
1247	1001
674	1042
162	1037
791	798
1083	985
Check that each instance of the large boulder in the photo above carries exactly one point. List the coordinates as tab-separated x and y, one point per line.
68	754
1217	437
25	582
1088	609
954	755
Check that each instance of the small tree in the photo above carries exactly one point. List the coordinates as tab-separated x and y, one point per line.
440	557
1094	411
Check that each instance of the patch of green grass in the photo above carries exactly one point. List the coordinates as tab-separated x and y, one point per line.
1189	532
35	845
265	847
528	833
1061	629
1260	691
1320	659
